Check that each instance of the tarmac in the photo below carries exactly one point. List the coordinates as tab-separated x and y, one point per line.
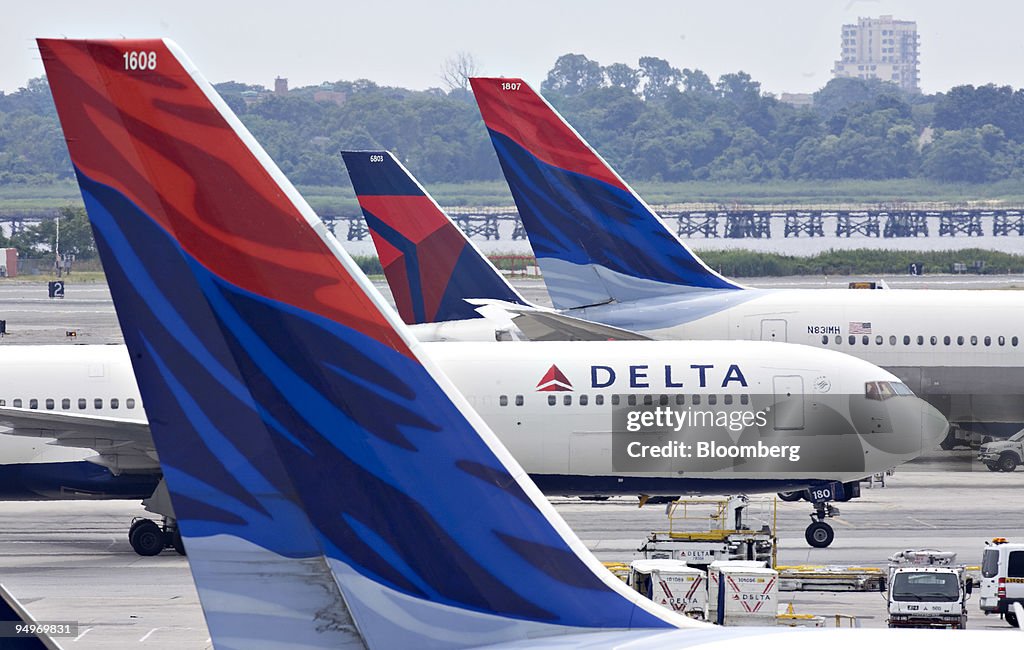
71	561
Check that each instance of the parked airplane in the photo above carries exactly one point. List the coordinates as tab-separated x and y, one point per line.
553	405
333	487
154	157
607	257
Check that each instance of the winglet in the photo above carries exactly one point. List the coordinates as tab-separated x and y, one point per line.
431	266
332	486
595	240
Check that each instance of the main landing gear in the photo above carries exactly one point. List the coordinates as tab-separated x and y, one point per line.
819	533
149	538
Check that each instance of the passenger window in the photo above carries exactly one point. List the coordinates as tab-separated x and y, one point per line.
906	340
959	340
615	400
920	340
663	400
97	403
744	399
81	403
728	399
3	402
519	401
824	339
839	339
552	400
1013	341
114	402
852	339
892	339
49	404
712	400
865	339
567	400
945	340
648	400
599	400
631	400
879	339
974	340
1002	340
988	341
696	400
33	403
502	400
680	399
65	404
584	400
17	403
934	340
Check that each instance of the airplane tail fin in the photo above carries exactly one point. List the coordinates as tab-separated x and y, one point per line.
595	240
331	485
12	612
431	266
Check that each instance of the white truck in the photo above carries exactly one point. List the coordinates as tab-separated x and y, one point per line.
927	590
1002	579
672	584
1003	455
742	592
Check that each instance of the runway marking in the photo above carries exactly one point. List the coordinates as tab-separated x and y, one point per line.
923	523
83	633
146	636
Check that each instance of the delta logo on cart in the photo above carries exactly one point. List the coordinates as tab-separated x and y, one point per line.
553	381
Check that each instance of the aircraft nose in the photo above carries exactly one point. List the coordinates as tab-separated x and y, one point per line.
934	426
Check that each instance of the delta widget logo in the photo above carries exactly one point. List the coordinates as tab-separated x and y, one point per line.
553	381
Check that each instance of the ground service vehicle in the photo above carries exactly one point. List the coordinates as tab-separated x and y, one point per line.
927	590
1002	579
1003	455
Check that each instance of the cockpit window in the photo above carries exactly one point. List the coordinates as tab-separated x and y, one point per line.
883	390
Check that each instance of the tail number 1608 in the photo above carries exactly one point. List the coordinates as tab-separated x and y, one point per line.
140	60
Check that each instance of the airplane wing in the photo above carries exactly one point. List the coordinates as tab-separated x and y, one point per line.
539	324
121	444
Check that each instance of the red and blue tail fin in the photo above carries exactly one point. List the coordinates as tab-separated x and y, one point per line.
595	240
431	266
332	487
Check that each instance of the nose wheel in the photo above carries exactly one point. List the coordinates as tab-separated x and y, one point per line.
819	534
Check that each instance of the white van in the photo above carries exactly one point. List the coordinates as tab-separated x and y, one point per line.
1002	578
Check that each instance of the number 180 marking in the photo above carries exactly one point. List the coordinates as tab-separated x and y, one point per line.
140	60
510	85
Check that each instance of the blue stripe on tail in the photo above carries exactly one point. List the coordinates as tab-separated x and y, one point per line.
604	232
285	435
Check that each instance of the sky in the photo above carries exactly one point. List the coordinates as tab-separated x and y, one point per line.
787	45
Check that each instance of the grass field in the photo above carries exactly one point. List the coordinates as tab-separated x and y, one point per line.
340	200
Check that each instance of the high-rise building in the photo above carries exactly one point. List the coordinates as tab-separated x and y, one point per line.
881	48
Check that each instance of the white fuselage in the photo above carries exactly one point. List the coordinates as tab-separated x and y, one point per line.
566	430
962	351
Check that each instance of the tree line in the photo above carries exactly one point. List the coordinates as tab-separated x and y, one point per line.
653	122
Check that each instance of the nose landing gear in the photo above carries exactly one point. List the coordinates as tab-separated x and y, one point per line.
819	534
